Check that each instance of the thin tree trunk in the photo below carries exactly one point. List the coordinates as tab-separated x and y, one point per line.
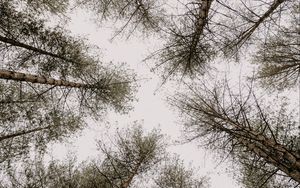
201	21
246	34
199	27
203	15
21	133
134	173
34	49
17	76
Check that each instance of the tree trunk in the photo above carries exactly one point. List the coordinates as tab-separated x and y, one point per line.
201	21
22	133
277	155
134	173
272	152
34	49
199	27
17	76
203	15
246	34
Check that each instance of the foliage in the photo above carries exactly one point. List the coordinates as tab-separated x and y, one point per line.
35	114
134	155
202	31
239	124
120	165
174	175
28	44
55	7
146	15
28	123
278	58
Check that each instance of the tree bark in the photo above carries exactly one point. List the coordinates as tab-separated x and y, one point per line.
246	34
17	76
272	152
277	155
203	15
22	133
199	25
34	49
134	173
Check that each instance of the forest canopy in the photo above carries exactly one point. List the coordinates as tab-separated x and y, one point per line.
55	85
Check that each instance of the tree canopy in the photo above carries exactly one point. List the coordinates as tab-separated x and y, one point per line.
52	84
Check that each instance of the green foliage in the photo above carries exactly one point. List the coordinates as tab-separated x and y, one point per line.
40	6
174	175
110	88
134	154
49	51
127	158
29	123
143	14
279	60
242	126
33	115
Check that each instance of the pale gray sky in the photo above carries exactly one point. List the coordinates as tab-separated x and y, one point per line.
151	107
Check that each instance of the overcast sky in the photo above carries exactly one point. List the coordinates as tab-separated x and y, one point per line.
151	107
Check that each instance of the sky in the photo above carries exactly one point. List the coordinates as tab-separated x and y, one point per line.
151	108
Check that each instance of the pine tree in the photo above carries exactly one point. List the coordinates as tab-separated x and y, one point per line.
278	58
41	7
187	50
26	42
145	15
132	154
205	30
239	124
173	174
49	83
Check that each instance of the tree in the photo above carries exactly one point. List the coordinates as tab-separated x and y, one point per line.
245	22
109	91
174	175
133	155
207	29
146	15
29	110
35	173
29	123
239	124
278	58
57	7
256	173
67	84
25	42
188	49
